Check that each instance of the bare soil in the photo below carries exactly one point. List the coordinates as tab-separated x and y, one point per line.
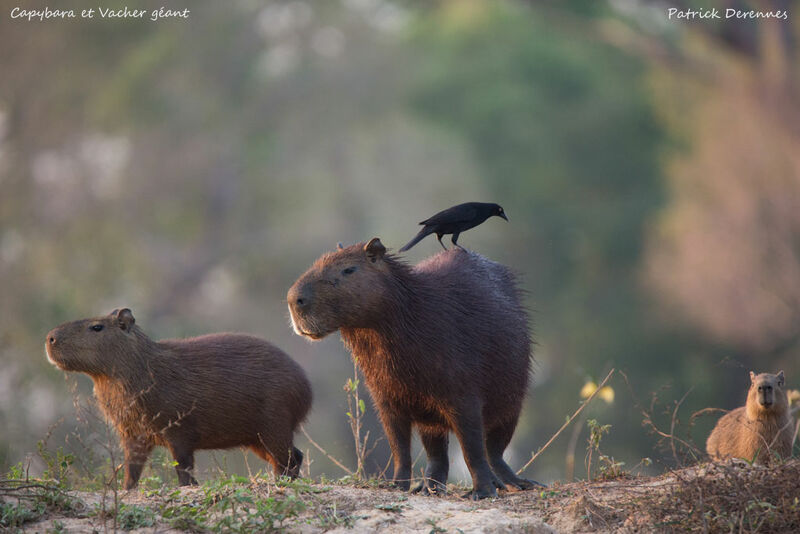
724	497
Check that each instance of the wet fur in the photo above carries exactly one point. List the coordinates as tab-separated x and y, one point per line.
210	392
444	346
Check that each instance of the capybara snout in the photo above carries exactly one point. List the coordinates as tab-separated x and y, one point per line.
210	392
343	289
766	395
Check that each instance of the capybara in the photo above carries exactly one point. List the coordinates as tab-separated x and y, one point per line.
758	430
443	346
210	392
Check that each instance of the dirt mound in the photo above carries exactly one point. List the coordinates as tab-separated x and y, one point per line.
706	498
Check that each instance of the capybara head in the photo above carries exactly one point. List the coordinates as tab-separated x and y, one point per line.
766	393
344	288
91	345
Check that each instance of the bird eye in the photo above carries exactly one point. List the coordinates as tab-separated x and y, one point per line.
97	327
349	270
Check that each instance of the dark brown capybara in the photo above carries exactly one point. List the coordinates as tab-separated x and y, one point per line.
210	392
443	345
760	429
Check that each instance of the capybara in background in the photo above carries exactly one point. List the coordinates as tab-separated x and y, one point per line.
443	346
759	429
210	392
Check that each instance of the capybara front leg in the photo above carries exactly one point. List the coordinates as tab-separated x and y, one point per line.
497	440
467	423
136	452
185	459
398	433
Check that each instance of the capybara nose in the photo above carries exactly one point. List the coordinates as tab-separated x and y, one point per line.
299	298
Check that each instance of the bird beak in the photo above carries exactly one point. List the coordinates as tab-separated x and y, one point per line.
503	215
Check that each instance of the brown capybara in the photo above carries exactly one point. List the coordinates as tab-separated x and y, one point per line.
760	429
443	346
210	392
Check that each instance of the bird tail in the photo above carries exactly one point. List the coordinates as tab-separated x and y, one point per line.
417	238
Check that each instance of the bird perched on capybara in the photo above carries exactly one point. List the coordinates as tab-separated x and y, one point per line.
210	392
443	346
455	220
758	430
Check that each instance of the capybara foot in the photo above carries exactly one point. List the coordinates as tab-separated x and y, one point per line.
402	485
486	490
477	494
522	484
295	462
430	487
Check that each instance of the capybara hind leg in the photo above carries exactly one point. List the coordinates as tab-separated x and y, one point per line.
185	459
136	453
281	455
262	453
435	481
467	423
497	440
295	463
398	433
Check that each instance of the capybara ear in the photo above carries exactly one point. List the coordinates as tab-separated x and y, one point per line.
752	377
339	246
374	249
125	318
780	378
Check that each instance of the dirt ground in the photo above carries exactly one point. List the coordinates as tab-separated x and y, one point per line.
705	498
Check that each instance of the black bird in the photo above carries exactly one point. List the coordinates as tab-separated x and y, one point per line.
456	220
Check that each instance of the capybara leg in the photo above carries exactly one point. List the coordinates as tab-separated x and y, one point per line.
295	462
398	433
467	423
136	453
435	481
185	459
497	440
285	459
262	453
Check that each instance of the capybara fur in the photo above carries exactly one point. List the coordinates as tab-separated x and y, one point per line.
444	345
759	430
210	392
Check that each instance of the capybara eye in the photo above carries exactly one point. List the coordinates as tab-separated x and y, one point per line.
349	270
97	327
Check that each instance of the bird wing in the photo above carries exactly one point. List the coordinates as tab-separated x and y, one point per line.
456	214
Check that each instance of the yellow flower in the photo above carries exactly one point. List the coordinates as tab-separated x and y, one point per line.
587	389
606	393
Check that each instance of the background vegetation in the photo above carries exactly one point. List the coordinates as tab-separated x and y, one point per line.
191	170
